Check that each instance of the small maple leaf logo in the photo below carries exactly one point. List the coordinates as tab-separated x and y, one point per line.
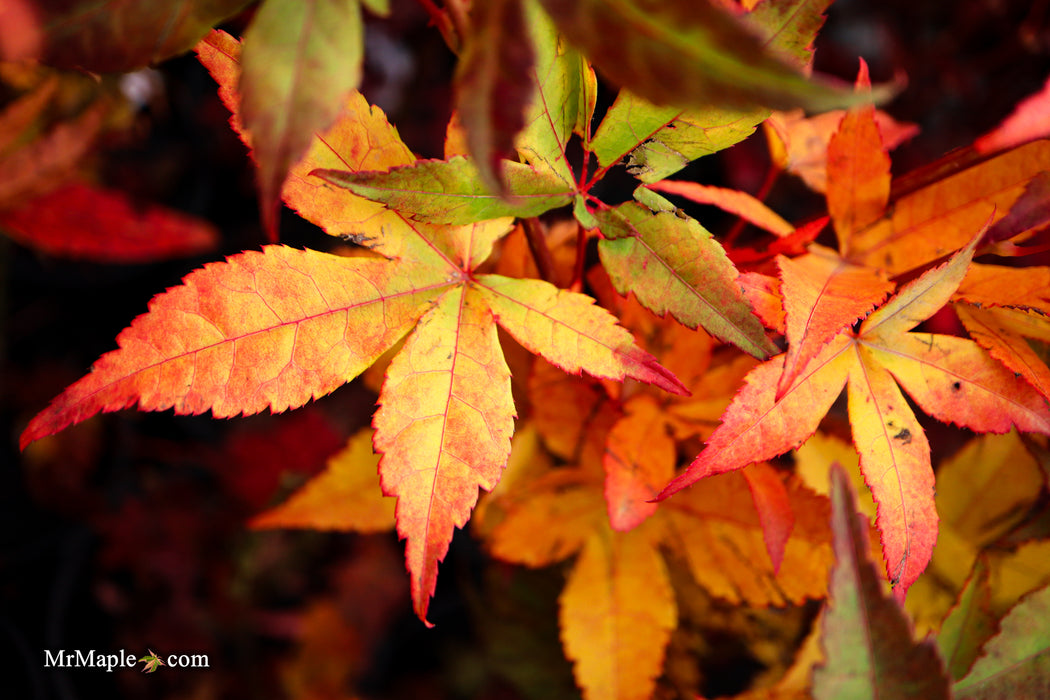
152	662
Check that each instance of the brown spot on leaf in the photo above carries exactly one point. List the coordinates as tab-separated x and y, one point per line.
956	386
904	436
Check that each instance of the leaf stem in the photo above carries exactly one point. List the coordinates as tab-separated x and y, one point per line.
536	235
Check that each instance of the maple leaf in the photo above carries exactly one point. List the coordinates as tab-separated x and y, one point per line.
80	221
659	141
452	191
951	379
799	144
287	39
691	53
674	265
929	219
867	640
278	328
152	662
1013	663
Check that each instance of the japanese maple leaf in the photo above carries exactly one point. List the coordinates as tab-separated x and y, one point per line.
152	662
277	328
952	379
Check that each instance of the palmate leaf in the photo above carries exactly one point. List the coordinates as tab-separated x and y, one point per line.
563	101
275	329
660	141
951	379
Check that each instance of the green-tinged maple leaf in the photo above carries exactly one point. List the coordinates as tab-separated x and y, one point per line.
951	379
867	639
674	265
152	662
278	328
658	140
494	84
563	101
1016	662
690	53
968	625
111	36
300	59
452	191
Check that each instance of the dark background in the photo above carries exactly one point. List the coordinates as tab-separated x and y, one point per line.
128	531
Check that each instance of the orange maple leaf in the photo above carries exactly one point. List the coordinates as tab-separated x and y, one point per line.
278	328
952	379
